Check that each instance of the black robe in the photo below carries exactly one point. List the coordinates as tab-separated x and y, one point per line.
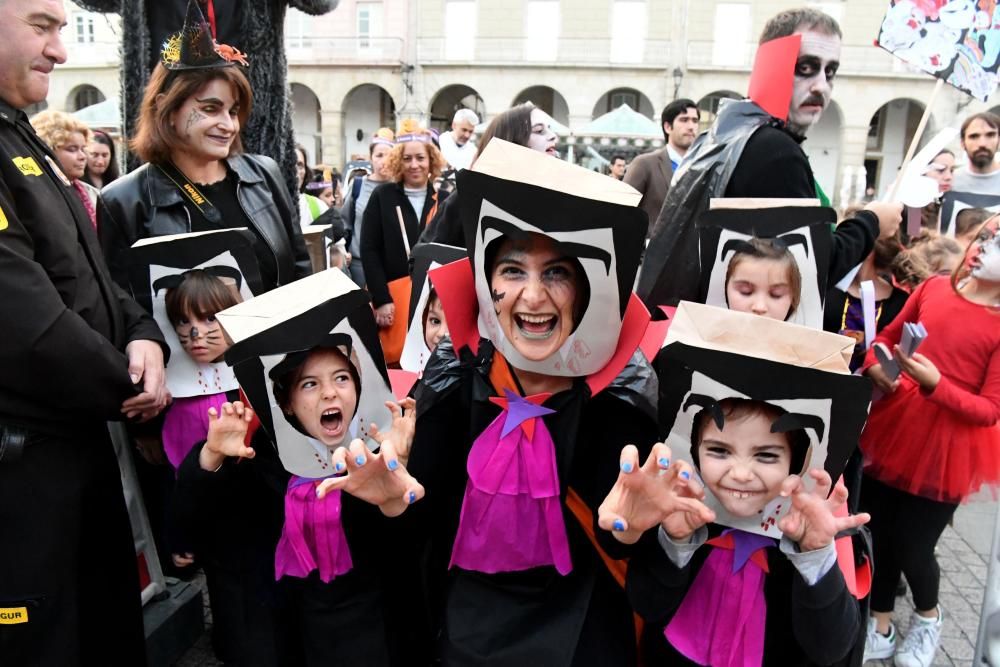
294	621
805	625
532	617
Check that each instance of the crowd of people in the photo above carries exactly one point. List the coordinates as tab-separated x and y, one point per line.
519	413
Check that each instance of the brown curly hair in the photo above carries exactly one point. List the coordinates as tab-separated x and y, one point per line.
394	163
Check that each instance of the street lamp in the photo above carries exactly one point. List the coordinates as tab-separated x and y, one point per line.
678	74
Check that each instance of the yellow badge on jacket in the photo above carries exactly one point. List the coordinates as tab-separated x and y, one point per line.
13	615
3	220
28	166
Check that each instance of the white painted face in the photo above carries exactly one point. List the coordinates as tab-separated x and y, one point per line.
984	253
815	69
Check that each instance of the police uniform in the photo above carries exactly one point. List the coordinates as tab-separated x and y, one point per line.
69	591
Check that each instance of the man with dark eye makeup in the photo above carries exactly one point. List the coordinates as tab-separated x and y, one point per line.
750	153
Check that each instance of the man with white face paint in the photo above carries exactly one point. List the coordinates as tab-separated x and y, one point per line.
769	163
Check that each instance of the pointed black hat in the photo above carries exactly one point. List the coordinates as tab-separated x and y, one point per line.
195	48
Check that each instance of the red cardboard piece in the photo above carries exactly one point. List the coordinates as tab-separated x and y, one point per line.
401	382
656	333
456	288
773	74
634	327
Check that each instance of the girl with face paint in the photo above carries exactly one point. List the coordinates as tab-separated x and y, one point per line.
932	441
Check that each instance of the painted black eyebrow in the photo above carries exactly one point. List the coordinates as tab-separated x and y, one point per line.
784	241
219	271
572	250
793	421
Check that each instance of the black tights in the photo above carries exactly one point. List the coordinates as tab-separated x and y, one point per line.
905	529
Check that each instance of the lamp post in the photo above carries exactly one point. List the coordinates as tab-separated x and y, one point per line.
678	75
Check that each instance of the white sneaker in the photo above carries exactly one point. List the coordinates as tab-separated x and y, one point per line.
877	645
921	642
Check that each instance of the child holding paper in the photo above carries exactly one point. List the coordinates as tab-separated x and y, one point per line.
932	440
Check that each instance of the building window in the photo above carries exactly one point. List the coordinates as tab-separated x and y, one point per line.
369	23
296	29
832	8
541	30
84	29
460	29
621	96
86	96
628	31
732	33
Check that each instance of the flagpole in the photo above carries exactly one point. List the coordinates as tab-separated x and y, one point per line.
915	140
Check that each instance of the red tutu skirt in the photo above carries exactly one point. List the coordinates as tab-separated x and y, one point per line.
918	446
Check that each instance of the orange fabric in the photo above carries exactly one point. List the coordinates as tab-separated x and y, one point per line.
501	377
617	568
393	337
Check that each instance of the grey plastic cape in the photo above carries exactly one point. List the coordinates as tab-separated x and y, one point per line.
670	270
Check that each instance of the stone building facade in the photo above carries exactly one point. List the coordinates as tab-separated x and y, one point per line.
371	62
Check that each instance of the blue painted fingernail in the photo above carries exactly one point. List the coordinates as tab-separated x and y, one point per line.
619	525
360	459
664	462
339	467
413	497
626	466
393	464
685	474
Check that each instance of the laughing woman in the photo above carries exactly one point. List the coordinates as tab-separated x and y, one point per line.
196	178
513	432
407	202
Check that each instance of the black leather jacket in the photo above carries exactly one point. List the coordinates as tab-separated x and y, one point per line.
145	203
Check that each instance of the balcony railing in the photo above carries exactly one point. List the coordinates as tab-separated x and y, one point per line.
854	60
326	50
556	52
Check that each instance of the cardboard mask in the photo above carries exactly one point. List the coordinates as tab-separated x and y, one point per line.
953	203
513	191
425	257
158	264
712	354
279	328
804	231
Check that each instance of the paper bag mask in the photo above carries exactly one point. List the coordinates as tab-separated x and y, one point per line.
712	354
325	309
424	258
953	203
803	231
514	191
159	264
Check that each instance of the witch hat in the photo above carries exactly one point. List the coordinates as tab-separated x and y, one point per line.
194	47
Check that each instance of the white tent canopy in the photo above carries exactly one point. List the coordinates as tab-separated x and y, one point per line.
104	115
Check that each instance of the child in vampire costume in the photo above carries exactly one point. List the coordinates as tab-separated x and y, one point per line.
328	552
513	576
256	26
803	231
795	607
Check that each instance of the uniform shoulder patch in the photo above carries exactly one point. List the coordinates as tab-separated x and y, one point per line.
13	615
28	166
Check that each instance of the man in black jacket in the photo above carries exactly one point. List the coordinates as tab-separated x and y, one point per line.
75	352
749	153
